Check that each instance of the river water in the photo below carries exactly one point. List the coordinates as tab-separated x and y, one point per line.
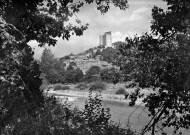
122	113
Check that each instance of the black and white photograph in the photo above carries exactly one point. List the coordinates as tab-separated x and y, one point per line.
94	67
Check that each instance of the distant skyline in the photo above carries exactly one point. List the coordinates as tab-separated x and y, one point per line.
135	20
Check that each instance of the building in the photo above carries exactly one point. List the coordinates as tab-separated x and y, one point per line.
106	39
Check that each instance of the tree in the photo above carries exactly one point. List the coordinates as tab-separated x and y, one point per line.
19	77
109	75
92	74
161	60
43	20
53	69
47	60
23	21
70	76
118	44
109	54
79	76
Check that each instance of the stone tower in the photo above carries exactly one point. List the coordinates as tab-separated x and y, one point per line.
106	39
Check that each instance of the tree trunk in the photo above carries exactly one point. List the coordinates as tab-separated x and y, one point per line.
153	128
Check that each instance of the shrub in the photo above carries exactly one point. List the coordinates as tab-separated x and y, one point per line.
110	75
65	87
93	120
105	75
109	54
44	86
121	91
79	76
61	87
98	86
82	86
130	85
92	74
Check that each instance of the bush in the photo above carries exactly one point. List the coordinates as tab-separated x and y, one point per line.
93	120
79	76
109	54
92	74
98	86
82	86
110	75
130	85
121	91
61	87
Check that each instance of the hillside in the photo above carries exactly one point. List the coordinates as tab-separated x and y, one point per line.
97	56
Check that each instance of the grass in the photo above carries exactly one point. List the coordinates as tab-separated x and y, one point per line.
61	87
82	86
120	91
97	86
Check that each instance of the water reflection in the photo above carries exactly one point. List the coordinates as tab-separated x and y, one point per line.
120	113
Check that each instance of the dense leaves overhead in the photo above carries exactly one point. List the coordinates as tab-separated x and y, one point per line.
161	60
175	19
43	20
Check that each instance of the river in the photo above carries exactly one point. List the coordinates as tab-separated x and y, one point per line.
122	113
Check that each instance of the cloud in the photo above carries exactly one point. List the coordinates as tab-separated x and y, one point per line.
116	36
140	14
135	20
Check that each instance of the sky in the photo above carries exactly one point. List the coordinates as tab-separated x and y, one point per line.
134	20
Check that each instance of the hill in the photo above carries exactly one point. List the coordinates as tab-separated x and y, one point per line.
97	56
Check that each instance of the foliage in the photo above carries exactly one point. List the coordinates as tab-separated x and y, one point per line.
52	68
46	20
130	85
95	115
121	91
55	118
67	57
60	87
97	86
118	44
92	74
73	75
82	86
21	22
70	76
109	54
109	75
105	74
79	76
161	60
19	76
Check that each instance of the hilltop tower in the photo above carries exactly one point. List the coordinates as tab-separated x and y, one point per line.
106	39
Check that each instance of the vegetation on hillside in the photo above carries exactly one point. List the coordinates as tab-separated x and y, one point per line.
110	75
110	55
92	74
82	86
97	86
55	71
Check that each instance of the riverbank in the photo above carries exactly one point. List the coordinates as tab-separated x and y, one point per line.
107	95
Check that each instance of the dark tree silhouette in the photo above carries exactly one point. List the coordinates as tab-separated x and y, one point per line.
23	21
162	60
